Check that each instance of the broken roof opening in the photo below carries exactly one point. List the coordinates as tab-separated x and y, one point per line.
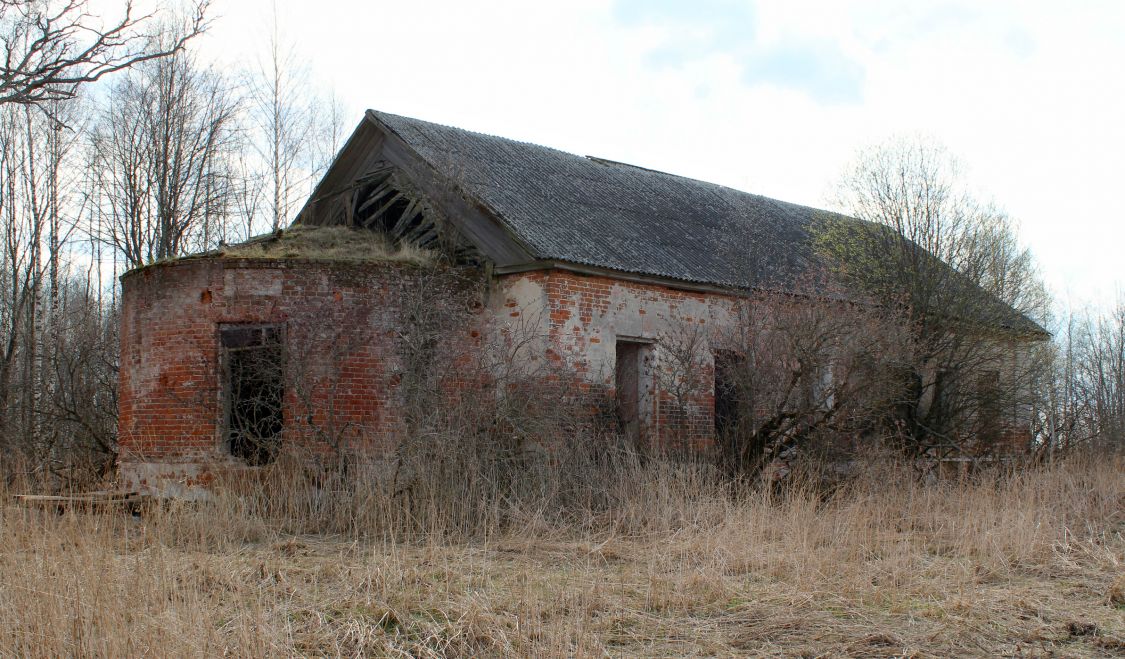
385	202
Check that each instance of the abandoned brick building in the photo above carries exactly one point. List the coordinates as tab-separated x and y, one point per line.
595	258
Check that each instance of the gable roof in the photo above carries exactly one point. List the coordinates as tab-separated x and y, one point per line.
555	206
606	214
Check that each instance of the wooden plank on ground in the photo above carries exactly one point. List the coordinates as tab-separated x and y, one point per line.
129	500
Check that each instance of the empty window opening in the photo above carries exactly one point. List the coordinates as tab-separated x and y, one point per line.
728	365
990	406
632	387
253	390
989	391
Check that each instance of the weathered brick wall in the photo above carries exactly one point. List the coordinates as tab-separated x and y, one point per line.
340	323
583	317
344	365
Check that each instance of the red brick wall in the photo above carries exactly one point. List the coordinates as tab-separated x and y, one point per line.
339	322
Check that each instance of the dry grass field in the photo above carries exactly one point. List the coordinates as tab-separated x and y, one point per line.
661	561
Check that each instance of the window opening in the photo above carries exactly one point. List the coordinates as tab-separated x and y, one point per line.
990	406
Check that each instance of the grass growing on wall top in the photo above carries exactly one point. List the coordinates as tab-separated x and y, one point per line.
330	243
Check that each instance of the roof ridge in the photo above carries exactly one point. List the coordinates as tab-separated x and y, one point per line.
379	114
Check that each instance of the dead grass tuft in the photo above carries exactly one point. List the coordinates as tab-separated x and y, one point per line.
1116	593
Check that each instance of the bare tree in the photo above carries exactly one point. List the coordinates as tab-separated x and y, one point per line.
295	131
52	48
160	158
954	265
1086	391
58	360
1099	376
332	119
31	230
283	119
790	371
22	228
79	410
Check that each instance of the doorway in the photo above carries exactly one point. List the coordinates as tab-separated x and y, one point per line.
253	388
632	382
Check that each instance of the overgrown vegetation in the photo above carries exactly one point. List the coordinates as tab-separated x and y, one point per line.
969	294
515	520
581	558
330	243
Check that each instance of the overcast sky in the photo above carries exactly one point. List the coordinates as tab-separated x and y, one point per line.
769	97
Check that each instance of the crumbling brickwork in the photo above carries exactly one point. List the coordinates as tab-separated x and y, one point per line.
587	317
339	323
640	356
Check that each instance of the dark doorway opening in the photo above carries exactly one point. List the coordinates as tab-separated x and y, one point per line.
253	365
990	408
728	394
631	383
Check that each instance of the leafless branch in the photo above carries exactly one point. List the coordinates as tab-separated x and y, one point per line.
50	49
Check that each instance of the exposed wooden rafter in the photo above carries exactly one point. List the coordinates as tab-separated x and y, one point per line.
383	200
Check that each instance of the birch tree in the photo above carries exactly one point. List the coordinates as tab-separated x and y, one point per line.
37	217
295	131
